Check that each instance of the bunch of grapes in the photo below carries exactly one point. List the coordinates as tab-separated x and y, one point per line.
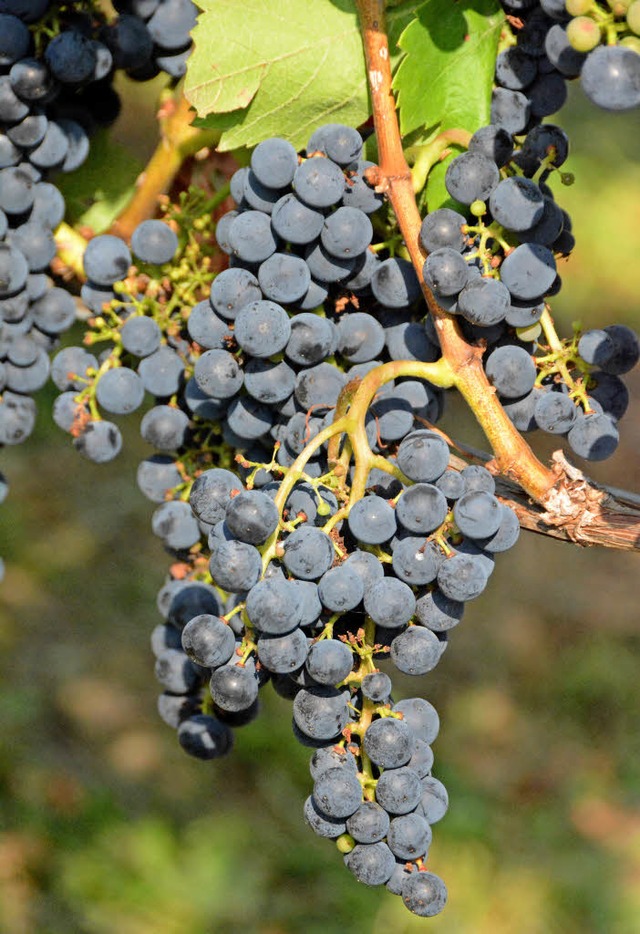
318	525
315	521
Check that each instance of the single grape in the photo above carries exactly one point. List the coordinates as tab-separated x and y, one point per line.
416	650
611	77
424	894
154	242
371	864
208	640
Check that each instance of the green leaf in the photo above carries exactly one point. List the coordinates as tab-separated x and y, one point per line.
282	67
447	74
97	191
290	65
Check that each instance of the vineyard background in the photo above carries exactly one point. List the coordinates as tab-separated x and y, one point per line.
107	826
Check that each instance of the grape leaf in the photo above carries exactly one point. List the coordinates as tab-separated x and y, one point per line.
281	67
97	191
446	75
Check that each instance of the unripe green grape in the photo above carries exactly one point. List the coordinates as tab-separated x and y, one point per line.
633	17
345	843
578	7
531	333
583	34
632	42
619	7
478	208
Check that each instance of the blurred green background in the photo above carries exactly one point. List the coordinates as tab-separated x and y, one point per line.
108	827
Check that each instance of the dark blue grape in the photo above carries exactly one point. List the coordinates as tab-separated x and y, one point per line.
283	654
154	242
377	687
284	278
120	391
471	177
176	525
204	737
99	442
389	742
251	237
415	560
511	370
409	836
171	24
218	374
274	162
71	57
308	553
399	790
211	492
423	456
462	577
312	339
319	182
295	221
272	606
161	372
420	717
262	328
494	142
322	825
510	110
372	520
610	77
165	427
484	302
235	566
424	894
321	713
233	688
208	640
329	661
347	232
394	283
340	143
435	800
416	651
106	259
594	437
390	603
371	864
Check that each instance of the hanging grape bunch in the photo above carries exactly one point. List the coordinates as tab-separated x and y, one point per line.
298	348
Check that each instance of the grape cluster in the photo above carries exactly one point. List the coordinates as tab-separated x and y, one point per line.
309	606
586	412
41	99
141	360
559	40
260	357
319	535
494	266
498	265
316	526
376	796
55	89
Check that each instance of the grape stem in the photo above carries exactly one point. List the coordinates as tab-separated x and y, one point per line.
349	419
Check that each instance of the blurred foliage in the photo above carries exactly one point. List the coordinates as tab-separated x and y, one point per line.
107	827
